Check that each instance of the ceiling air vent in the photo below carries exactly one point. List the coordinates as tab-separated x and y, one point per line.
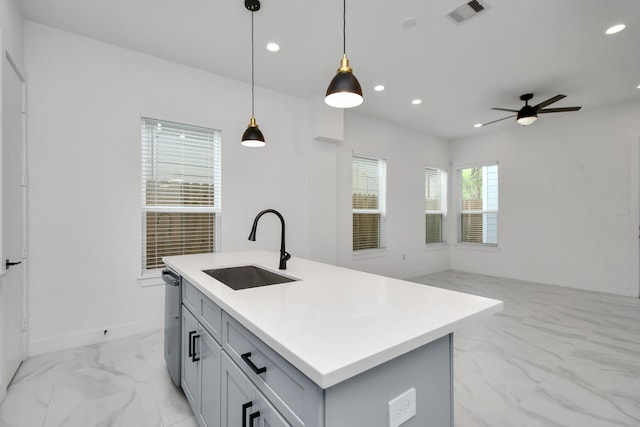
466	11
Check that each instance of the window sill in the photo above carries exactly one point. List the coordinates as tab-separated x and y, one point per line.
369	253
436	246
478	247
150	280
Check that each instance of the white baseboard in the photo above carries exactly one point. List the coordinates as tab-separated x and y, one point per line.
93	337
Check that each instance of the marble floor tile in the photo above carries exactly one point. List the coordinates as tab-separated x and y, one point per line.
152	342
188	422
171	401
56	363
114	394
117	349
105	384
27	401
554	357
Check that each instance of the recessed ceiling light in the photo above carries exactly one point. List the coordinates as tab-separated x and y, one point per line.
378	88
416	101
477	125
615	29
273	47
408	23
638	86
182	136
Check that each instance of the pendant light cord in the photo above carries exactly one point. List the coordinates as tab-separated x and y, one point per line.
252	70
344	26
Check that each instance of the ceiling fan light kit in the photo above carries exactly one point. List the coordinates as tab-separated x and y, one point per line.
344	91
527	114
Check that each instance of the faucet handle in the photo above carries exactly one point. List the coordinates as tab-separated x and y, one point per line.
284	257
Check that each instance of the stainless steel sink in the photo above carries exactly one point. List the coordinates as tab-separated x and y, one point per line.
247	276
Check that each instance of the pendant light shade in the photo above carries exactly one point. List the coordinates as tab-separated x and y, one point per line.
344	91
252	137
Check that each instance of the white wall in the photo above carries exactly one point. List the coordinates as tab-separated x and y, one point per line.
407	153
12	30
568	202
86	99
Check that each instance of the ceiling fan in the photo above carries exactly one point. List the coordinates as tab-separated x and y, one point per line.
529	114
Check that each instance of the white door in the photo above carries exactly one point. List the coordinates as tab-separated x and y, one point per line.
12	282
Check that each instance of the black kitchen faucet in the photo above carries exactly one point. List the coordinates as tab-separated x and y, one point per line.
284	255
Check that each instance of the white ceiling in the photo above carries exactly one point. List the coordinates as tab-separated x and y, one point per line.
460	71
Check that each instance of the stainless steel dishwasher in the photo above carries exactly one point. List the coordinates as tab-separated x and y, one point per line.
172	323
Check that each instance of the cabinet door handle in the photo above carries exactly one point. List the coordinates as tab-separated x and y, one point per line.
253	417
191	343
244	412
195	358
253	367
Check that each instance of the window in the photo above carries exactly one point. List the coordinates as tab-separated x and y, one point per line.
180	190
435	204
479	209
368	203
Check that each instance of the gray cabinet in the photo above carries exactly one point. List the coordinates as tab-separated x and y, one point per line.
297	398
208	313
189	369
233	379
363	400
200	370
210	355
242	403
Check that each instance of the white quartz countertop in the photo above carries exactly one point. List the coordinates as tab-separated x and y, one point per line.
334	323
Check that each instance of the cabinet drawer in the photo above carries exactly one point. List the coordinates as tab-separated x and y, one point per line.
293	394
190	297
206	311
211	317
242	402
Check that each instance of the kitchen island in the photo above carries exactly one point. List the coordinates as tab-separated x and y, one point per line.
338	345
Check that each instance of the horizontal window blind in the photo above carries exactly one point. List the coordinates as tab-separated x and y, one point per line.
479	209
433	190
435	203
181	190
368	202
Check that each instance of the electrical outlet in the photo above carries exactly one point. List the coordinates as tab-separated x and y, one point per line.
402	408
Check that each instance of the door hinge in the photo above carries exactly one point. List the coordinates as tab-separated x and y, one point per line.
24	324
23	177
24	253
24	108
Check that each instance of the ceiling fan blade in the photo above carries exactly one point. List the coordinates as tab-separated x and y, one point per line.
558	110
505	109
549	101
499	120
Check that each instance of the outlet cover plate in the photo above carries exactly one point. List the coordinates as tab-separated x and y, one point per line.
402	408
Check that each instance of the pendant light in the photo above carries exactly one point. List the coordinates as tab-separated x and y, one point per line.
252	137
344	91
